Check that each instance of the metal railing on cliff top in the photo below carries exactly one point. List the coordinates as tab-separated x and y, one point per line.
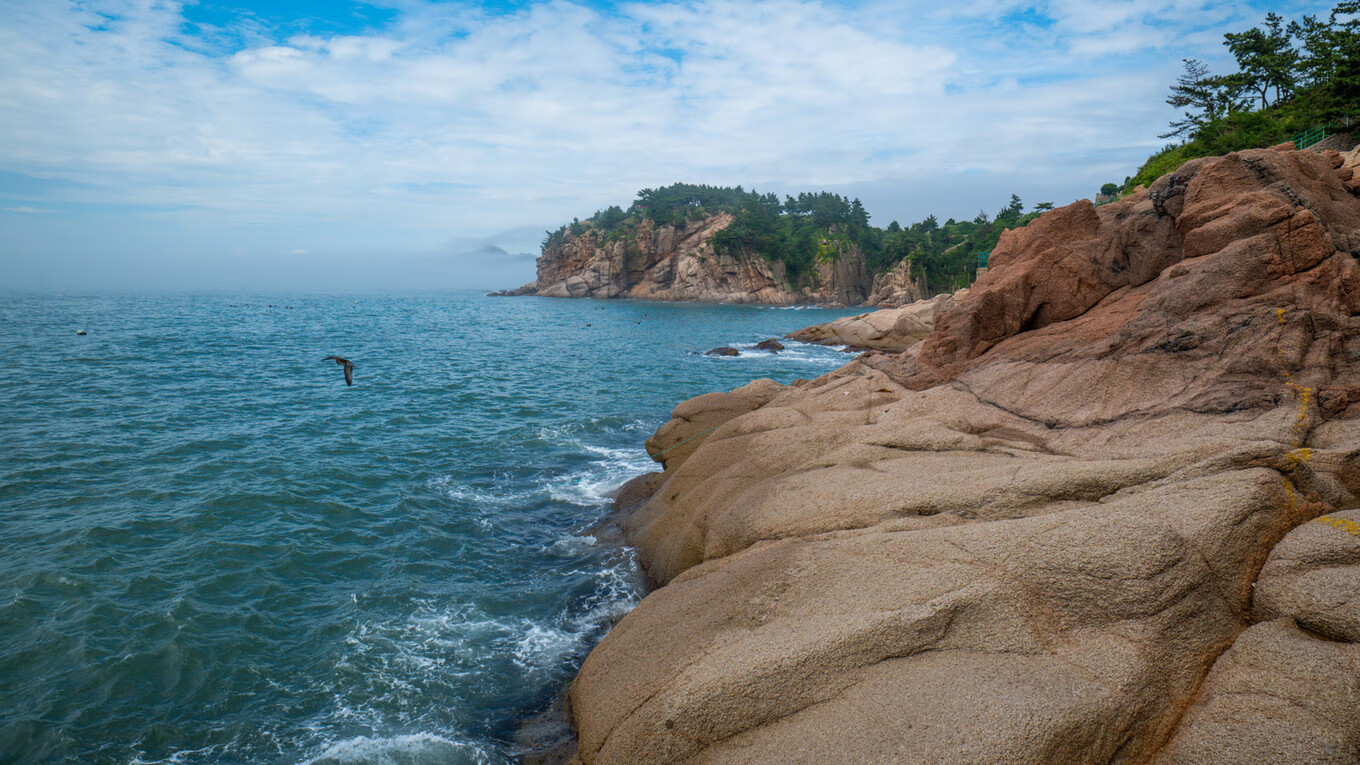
1318	134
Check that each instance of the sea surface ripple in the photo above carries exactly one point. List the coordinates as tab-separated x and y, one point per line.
215	551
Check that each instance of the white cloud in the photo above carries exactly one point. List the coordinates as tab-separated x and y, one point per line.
455	122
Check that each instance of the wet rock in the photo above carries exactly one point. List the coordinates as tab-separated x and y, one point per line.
723	350
771	345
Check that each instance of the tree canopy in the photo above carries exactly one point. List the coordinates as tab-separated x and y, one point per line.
1290	77
800	231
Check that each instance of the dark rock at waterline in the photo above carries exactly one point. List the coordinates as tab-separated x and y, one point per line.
771	345
723	351
546	738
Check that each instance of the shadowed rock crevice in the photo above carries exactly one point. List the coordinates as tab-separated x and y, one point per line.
1098	514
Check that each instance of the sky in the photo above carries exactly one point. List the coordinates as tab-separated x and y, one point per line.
334	145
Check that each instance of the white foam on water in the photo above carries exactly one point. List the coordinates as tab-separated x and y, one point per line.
585	490
794	352
413	749
464	494
595	484
183	755
543	647
572	546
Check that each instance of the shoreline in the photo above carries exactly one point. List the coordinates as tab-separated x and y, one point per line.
1087	497
547	737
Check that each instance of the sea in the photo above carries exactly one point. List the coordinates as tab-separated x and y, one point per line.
213	550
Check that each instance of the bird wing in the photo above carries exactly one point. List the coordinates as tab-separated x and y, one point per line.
349	374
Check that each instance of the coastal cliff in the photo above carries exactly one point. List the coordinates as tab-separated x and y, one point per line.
681	262
1103	512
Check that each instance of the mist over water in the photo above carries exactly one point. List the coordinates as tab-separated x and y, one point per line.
212	550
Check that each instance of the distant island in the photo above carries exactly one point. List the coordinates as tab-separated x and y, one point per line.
717	244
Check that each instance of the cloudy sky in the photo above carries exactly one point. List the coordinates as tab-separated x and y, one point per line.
395	144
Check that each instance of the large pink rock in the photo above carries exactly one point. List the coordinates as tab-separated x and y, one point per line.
1053	534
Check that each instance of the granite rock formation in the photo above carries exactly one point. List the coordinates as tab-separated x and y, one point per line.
1079	522
898	286
667	262
889	329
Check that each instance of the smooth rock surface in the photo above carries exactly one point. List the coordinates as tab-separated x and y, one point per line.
889	329
1313	577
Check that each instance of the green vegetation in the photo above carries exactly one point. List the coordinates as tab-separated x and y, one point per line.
1291	77
809	229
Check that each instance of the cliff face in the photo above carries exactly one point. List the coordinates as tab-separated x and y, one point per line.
680	263
897	287
1102	513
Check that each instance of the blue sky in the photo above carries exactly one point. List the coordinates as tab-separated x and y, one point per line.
330	144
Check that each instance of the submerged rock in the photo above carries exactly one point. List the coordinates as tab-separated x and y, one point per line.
723	350
1051	532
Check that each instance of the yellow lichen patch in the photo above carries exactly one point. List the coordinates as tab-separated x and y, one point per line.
1299	456
1303	394
1345	524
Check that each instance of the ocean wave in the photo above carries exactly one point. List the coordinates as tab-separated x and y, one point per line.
794	353
413	749
572	546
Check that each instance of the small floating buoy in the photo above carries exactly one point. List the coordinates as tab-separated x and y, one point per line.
81	332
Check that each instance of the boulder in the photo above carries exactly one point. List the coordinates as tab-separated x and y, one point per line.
771	345
723	350
890	329
696	417
1277	695
1050	532
1313	577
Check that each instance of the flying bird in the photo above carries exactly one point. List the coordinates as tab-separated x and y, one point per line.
349	368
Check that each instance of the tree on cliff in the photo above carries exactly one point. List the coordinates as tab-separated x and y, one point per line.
1205	97
1266	59
1290	78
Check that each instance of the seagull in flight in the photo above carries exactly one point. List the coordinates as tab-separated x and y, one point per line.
349	368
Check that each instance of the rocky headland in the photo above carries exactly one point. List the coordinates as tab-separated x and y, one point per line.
1105	511
680	262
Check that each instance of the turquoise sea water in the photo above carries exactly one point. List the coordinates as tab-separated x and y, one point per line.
212	550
